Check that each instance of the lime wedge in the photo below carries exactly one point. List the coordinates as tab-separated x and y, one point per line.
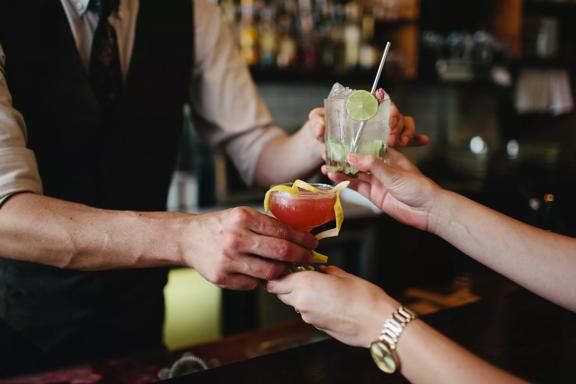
373	147
361	105
336	150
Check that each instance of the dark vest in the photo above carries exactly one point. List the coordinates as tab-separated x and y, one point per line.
119	159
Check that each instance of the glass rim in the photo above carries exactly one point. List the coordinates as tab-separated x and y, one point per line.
308	194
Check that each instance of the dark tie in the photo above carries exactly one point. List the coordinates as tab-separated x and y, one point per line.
105	72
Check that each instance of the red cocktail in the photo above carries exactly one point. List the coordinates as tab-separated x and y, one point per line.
305	210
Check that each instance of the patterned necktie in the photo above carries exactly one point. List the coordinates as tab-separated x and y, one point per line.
105	72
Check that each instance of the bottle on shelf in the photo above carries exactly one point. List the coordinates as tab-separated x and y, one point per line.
248	33
268	38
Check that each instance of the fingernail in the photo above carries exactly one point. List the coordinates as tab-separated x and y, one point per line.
405	140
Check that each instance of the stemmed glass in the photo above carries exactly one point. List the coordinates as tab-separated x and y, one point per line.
308	208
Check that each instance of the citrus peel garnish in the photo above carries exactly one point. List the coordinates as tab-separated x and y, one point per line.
338	212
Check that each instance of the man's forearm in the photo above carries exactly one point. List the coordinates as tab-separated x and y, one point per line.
286	158
539	260
40	229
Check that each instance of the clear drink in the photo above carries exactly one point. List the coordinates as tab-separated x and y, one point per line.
341	130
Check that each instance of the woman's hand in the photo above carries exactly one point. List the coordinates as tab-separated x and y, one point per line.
346	307
396	186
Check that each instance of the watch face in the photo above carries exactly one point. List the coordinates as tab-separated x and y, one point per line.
383	356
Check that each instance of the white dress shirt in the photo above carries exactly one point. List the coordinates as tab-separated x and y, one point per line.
223	94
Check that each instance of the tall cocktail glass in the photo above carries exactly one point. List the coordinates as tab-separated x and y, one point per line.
342	129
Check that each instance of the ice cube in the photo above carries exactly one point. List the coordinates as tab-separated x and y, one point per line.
338	90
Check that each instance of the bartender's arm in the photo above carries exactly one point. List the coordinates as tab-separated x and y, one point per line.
235	248
230	112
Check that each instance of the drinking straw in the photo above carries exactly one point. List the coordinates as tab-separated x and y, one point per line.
356	140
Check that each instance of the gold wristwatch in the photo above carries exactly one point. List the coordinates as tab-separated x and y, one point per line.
383	349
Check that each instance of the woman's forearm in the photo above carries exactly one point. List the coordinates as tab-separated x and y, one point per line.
427	356
44	230
542	261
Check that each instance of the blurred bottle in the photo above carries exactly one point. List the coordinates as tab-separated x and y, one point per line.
268	38
333	47
248	33
352	35
287	45
308	36
368	51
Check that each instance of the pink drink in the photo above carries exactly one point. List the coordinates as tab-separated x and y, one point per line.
304	211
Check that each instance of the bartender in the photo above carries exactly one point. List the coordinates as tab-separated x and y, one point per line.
91	97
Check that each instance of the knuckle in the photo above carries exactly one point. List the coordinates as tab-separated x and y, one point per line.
218	277
231	240
240	215
284	250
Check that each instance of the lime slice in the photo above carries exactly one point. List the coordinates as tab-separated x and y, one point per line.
361	105
373	147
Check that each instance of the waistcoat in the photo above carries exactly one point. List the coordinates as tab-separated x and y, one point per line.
121	158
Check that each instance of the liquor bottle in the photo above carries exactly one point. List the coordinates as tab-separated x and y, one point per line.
287	45
308	47
368	52
333	53
268	38
248	33
352	36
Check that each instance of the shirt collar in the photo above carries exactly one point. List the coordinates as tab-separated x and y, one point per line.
81	7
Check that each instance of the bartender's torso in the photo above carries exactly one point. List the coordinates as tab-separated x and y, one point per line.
120	158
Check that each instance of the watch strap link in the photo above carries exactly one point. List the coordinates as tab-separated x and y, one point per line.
394	326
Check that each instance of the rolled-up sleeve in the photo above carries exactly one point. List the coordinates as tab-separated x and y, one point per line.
18	168
227	106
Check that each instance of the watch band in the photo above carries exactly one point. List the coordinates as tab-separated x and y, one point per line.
394	326
383	349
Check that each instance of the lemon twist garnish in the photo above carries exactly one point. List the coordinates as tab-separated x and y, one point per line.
338	212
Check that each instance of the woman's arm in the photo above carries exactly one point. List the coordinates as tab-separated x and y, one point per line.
541	261
353	311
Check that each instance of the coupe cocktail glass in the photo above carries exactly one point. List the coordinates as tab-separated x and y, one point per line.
306	210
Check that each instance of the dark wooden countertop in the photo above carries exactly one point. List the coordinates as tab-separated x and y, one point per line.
510	327
516	330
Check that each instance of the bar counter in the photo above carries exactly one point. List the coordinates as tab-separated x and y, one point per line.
509	327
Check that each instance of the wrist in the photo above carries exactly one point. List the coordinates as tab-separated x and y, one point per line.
384	348
382	311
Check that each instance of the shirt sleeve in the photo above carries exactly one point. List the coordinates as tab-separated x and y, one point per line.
18	168
227	107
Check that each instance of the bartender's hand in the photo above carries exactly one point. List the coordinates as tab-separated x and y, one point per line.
346	307
402	128
396	187
239	247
